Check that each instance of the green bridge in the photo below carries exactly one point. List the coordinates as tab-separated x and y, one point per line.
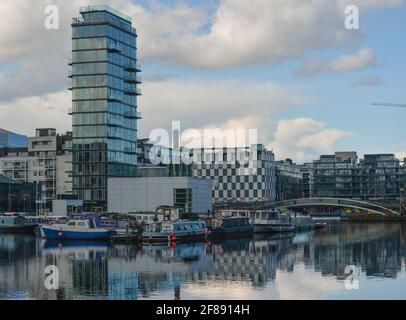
362	206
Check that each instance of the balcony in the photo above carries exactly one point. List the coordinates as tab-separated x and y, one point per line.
133	115
133	67
70	61
132	91
70	111
133	79
70	74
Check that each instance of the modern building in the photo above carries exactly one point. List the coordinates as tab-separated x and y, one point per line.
307	172
289	180
12	140
234	181
146	194
16	196
104	102
376	177
46	161
66	207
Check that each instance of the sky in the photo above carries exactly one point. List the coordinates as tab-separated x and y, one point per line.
288	68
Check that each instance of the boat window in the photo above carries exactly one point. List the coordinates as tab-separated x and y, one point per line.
264	216
258	215
72	224
81	224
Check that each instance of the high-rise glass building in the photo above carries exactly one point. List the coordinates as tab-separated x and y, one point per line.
104	102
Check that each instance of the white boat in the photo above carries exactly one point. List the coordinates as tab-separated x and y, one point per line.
268	221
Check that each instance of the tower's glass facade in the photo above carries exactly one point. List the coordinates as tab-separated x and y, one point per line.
104	102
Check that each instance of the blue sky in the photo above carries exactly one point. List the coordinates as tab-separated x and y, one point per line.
230	64
339	102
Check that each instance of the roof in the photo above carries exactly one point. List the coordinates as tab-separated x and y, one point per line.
105	8
4	179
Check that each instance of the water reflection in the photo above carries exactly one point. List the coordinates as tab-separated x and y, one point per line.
104	271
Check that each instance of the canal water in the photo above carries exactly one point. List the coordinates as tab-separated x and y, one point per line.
312	265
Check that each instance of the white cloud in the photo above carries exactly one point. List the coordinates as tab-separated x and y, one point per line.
235	33
25	115
199	104
401	155
304	139
364	58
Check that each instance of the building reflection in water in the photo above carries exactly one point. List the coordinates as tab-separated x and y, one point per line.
104	271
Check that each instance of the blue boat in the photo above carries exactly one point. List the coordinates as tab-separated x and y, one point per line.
229	227
75	230
174	231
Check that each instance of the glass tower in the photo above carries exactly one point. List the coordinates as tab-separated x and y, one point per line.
104	102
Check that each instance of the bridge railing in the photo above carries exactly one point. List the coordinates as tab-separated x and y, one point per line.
335	202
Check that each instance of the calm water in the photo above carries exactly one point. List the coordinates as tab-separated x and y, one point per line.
302	266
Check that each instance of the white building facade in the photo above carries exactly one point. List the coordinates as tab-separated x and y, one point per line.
46	161
146	194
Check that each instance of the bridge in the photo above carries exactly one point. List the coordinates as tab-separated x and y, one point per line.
360	206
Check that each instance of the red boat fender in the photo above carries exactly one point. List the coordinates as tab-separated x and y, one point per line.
172	237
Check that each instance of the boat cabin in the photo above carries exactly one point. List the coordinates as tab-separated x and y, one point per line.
81	224
163	213
7	221
263	216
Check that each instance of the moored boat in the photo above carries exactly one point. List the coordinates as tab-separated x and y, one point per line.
75	230
303	222
271	221
16	224
227	227
174	231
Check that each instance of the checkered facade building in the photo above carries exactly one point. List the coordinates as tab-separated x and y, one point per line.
256	181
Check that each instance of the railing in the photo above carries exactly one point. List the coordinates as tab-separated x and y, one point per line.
133	67
132	91
133	79
334	202
81	20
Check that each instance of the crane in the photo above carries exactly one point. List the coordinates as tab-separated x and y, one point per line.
393	105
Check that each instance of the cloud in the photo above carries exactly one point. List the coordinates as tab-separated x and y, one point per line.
243	33
197	103
234	33
304	139
26	114
368	81
363	59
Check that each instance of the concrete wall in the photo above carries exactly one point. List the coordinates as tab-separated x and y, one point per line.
146	194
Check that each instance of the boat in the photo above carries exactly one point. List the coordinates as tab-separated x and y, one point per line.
75	230
173	231
303	222
271	221
16	224
227	227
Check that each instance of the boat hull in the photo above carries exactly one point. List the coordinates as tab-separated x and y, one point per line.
272	228
225	233
60	234
158	237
